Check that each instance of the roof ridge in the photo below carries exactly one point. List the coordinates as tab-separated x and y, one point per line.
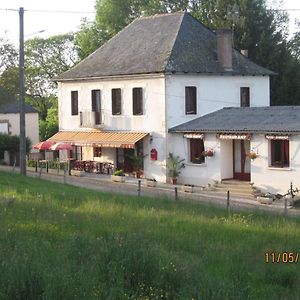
162	15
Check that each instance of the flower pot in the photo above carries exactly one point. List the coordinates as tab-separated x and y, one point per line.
264	200
188	188
116	178
151	183
174	180
77	173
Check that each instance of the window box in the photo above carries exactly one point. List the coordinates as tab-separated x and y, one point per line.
267	199
116	178
188	188
151	182
77	173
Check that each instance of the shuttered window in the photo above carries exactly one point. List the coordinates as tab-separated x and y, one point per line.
137	101
190	100
245	96
116	101
196	150
74	103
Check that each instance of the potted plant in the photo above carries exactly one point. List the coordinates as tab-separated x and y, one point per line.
138	164
174	165
151	182
118	176
188	188
253	155
208	153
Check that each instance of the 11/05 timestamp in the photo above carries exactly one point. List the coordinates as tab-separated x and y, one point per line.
281	257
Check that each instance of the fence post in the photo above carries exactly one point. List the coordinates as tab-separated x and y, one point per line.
139	187
65	173
47	166
176	193
228	201
285	205
36	166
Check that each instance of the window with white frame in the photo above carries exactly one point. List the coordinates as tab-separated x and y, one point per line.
280	153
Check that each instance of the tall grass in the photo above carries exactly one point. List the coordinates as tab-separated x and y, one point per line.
63	242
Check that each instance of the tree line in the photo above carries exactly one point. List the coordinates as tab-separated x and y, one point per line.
264	33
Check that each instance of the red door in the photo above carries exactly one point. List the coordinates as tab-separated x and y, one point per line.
241	161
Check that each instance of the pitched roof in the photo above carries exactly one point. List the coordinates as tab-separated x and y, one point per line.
10	105
272	119
166	43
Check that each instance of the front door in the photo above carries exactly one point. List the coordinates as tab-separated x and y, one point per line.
123	159
241	161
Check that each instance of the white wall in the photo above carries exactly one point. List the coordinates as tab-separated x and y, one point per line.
152	121
32	125
197	174
213	93
275	180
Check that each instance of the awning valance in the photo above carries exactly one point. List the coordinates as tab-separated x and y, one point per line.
112	139
234	136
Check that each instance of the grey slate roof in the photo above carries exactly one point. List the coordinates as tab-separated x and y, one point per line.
10	105
273	119
167	43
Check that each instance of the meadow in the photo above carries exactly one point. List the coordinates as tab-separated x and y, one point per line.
63	242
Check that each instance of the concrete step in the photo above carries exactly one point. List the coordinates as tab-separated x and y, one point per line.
236	188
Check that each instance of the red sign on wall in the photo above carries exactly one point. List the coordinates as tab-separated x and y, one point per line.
153	154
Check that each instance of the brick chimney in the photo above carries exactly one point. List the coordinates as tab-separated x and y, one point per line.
224	48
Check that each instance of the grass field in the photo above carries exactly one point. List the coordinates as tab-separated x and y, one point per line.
64	242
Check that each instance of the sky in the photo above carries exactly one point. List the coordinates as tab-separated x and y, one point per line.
57	22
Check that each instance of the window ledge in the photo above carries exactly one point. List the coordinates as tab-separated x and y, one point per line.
280	169
196	165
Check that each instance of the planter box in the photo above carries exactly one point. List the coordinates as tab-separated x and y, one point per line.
188	188
115	178
265	200
151	183
77	173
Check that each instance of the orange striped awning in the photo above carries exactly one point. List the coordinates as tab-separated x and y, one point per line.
112	139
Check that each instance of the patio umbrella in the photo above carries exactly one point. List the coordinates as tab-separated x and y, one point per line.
61	146
45	145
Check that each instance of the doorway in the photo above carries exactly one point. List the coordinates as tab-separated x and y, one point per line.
241	161
123	159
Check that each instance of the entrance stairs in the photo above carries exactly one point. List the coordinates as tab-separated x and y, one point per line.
238	189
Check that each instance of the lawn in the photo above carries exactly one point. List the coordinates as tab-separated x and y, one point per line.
63	242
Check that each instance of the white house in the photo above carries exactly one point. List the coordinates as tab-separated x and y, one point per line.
10	119
136	93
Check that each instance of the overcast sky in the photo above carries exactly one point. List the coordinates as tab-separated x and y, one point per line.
57	23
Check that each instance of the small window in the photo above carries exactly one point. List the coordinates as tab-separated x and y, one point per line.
137	101
97	152
245	96
196	150
96	100
190	100
280	156
74	103
116	101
